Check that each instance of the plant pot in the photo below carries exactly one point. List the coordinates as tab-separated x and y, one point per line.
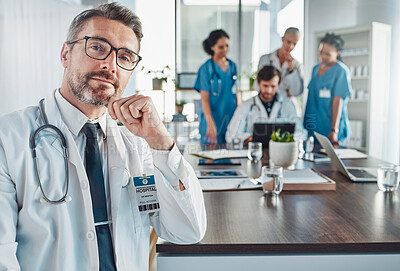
179	109
157	83
251	83
283	154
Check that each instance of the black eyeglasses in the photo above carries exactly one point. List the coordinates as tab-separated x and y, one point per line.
100	49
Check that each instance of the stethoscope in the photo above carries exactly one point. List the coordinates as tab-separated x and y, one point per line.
215	74
32	145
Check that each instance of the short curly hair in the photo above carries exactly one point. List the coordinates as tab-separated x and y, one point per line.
266	73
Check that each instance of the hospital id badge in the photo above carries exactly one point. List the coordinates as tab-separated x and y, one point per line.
324	93
146	193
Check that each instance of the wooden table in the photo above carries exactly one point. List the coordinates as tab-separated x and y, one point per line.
355	227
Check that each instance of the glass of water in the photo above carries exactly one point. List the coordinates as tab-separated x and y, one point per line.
388	177
255	151
237	143
272	179
309	145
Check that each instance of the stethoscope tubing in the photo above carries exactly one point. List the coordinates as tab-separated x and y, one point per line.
254	104
32	145
215	74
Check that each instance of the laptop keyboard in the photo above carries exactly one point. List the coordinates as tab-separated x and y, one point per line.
361	173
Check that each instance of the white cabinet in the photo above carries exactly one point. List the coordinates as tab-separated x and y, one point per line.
367	54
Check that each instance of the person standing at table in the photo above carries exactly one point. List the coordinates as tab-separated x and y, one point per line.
328	93
216	82
291	69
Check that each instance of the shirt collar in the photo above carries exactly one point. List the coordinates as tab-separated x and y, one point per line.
74	118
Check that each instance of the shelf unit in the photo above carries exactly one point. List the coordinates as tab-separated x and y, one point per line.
367	54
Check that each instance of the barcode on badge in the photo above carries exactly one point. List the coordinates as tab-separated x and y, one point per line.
149	207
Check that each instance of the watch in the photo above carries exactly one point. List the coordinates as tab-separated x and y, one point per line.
335	130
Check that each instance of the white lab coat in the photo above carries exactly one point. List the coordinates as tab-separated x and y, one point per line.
253	111
290	81
40	236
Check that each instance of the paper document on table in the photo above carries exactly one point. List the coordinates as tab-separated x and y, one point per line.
302	176
222	153
348	154
228	184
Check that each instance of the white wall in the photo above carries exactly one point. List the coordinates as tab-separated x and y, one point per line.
31	36
323	15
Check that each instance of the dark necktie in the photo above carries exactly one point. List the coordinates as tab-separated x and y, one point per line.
94	172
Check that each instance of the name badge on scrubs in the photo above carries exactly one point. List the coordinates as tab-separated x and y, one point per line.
324	93
146	193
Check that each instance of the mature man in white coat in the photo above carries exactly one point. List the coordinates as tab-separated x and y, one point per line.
85	207
267	107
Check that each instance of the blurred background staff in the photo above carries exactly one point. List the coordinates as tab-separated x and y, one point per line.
267	107
329	91
290	68
216	81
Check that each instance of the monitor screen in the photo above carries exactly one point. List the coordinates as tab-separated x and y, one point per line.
186	80
262	131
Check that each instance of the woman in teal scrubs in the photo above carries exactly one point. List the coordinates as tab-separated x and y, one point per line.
328	93
216	82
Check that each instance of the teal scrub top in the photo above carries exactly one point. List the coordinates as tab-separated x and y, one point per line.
222	88
321	91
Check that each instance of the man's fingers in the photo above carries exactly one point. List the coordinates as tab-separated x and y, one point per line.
126	110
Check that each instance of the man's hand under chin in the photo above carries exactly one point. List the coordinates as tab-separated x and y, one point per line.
140	117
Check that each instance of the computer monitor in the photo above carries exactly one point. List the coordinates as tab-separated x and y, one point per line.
262	131
186	80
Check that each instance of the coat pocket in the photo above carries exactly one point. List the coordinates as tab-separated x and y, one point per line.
141	220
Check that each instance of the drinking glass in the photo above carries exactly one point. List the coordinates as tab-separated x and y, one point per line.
388	178
254	171
272	179
309	145
255	151
236	143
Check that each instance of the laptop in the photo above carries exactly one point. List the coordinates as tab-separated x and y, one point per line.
262	131
356	174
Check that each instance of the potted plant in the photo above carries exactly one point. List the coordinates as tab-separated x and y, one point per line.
159	76
283	149
179	106
252	79
247	73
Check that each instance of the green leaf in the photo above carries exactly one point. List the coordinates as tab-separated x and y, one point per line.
285	137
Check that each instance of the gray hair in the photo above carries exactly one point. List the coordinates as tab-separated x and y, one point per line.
112	11
292	31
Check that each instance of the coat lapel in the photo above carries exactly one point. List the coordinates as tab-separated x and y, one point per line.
54	117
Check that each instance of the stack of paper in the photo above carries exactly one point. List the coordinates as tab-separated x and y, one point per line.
222	153
350	154
294	180
302	176
228	184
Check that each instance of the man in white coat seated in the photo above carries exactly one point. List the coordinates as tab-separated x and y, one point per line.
90	205
266	107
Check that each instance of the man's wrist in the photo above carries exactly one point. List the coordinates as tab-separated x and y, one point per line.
161	143
335	130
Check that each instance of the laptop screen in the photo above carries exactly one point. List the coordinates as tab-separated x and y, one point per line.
262	131
330	151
